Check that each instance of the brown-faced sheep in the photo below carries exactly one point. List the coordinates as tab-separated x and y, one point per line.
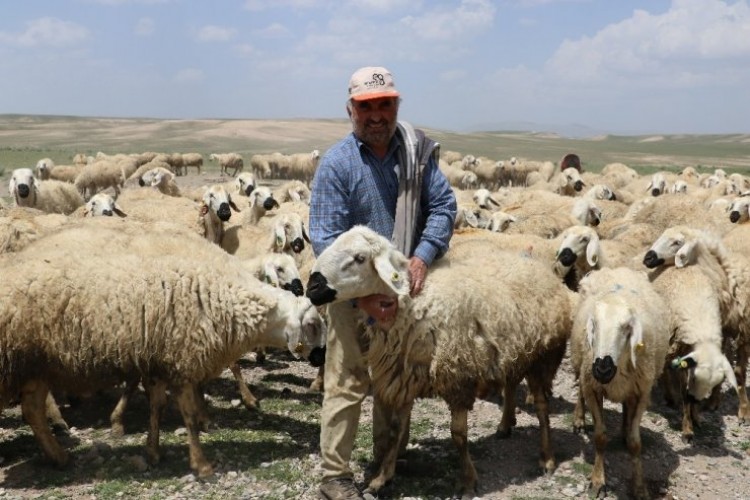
618	347
175	319
452	341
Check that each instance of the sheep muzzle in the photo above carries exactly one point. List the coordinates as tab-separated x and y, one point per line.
298	245
318	290
655	192
317	357
224	212
578	185
567	257
295	287
734	216
23	190
604	369
651	260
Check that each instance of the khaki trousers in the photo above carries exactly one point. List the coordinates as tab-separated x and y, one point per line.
347	383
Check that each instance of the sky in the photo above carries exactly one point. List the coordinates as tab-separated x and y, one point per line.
586	66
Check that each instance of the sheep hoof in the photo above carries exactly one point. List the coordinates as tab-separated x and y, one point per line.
205	471
598	490
117	431
579	429
504	433
687	438
317	385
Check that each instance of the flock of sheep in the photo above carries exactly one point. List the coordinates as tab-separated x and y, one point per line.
642	279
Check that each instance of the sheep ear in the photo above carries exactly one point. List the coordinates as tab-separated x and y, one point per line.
116	209
279	238
636	338
650	185
729	375
593	252
471	219
590	327
684	255
233	205
393	270
304	233
492	200
269	270
294	195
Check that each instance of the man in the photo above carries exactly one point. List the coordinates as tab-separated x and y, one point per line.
383	175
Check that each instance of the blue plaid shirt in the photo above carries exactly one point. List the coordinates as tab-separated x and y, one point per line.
354	187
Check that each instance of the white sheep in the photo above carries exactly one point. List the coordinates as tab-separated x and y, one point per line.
227	161
102	204
261	201
690	271
43	168
66	173
49	196
215	211
98	176
302	166
199	307
244	183
505	322
192	160
294	190
162	179
618	347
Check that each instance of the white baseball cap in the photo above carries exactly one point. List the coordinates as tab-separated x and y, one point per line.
372	82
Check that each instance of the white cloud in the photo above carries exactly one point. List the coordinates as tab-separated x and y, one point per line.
212	33
144	27
47	31
259	5
686	44
274	30
189	75
446	24
384	5
124	2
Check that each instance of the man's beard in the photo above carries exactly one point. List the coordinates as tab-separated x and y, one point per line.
381	136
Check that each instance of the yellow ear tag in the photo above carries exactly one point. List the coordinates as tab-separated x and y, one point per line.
683	364
279	241
395	277
640	345
299	347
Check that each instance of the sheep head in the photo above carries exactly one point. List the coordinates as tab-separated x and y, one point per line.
577	242
706	367
289	233
676	246
23	187
102	204
218	202
301	327
358	263
614	334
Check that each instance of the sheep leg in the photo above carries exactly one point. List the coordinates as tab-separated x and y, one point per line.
740	371
508	420
390	436
595	403
33	408
317	384
189	407
460	437
203	418
115	418
579	413
546	457
635	408
54	415
250	401
157	398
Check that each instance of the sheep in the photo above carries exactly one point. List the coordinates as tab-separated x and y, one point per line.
19	226
174	320
100	175
689	271
671	210
738	210
658	184
102	204
457	177
66	173
294	190
483	198
215	211
244	183
502	325
49	196
43	168
163	180
618	346
192	160
261	201
469	215
227	161
136	178
302	166
260	166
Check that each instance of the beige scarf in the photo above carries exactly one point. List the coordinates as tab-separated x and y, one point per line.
414	153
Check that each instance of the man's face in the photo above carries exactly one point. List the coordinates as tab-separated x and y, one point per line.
374	120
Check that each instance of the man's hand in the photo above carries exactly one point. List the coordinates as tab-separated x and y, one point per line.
417	275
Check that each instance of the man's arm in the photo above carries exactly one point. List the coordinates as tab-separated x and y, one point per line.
439	209
329	212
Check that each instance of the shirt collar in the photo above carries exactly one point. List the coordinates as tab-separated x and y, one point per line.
392	146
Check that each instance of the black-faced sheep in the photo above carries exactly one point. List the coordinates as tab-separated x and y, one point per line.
174	319
469	330
618	349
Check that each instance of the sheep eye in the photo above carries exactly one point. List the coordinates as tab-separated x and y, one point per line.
359	258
